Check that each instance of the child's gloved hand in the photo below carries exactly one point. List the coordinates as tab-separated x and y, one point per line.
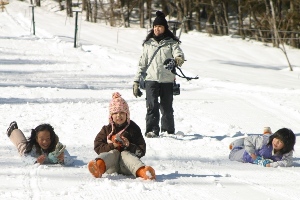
109	140
53	156
41	159
261	161
121	140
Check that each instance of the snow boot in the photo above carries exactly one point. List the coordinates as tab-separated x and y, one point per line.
97	168
146	172
267	130
237	143
151	135
13	125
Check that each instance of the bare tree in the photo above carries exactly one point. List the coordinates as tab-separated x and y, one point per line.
38	3
277	37
142	14
217	16
149	11
95	11
112	21
61	7
198	15
69	8
83	6
122	15
254	17
88	9
240	19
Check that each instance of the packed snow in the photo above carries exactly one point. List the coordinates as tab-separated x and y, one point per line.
243	86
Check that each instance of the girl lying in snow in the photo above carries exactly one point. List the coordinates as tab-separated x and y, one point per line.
120	145
268	150
41	147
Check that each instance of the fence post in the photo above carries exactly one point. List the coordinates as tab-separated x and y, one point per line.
76	27
33	22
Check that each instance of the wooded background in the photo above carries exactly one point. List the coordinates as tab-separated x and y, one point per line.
270	21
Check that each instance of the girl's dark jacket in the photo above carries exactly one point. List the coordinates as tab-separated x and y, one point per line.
137	144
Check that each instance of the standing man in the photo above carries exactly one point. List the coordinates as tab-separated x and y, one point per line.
159	45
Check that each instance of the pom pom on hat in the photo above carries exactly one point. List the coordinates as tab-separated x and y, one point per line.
160	14
160	19
118	104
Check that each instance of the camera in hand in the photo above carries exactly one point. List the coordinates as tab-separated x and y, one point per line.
170	64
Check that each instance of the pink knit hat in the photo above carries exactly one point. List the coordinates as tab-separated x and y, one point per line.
118	104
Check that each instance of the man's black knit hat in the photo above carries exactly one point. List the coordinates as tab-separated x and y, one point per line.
160	20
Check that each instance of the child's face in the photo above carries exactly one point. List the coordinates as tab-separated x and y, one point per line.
43	139
277	144
119	118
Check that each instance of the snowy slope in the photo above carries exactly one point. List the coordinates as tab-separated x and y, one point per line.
243	86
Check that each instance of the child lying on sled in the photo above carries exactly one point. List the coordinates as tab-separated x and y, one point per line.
268	150
41	147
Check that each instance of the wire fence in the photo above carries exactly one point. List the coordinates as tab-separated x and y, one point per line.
290	37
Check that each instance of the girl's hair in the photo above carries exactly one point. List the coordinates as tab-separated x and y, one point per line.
287	137
32	140
167	33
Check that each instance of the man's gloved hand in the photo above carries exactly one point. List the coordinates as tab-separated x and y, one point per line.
136	90
179	61
261	161
59	149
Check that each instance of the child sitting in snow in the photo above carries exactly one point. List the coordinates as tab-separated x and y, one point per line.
268	150
120	144
41	147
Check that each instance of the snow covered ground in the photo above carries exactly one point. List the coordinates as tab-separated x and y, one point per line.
243	86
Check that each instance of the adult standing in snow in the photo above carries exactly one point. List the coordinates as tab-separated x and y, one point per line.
41	147
120	144
159	45
268	150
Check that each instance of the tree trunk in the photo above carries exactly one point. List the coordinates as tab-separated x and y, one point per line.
277	36
294	29
189	13
69	8
226	21
198	15
88	8
95	11
240	19
149	13
83	4
128	14
38	3
179	12
60	5
112	21
142	14
273	23
122	16
217	18
164	7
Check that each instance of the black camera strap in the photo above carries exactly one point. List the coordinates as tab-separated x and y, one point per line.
170	64
184	76
144	74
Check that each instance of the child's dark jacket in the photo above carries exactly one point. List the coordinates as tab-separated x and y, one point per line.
137	144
